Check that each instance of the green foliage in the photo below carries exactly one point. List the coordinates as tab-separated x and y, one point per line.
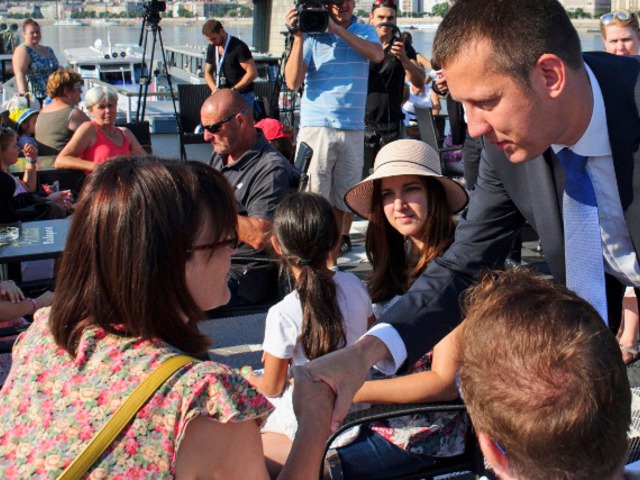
440	9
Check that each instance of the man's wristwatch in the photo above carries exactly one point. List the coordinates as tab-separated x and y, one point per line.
32	161
234	89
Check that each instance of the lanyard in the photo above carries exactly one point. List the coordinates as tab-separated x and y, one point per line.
220	60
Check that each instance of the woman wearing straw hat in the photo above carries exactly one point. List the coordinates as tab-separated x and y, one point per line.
410	208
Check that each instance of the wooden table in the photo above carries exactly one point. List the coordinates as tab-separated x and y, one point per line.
38	240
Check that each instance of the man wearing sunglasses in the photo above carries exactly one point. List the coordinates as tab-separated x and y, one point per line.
334	67
561	137
260	177
383	116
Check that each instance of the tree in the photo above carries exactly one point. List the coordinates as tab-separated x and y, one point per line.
440	9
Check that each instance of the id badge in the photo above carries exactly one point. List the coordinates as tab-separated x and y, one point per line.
222	81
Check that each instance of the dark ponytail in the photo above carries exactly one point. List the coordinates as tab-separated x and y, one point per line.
306	229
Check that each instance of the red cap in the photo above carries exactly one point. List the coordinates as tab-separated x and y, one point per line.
272	129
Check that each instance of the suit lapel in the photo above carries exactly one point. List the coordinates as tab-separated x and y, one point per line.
621	94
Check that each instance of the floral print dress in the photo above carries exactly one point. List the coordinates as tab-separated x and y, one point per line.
39	70
52	404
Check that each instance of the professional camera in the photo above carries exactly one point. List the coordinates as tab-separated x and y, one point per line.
396	35
313	16
152	10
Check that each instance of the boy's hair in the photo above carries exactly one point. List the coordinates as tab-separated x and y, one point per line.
543	377
519	32
306	230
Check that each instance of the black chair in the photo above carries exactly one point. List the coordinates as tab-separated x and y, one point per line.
269	93
142	132
432	133
302	162
190	99
471	460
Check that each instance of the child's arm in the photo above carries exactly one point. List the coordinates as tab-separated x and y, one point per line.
274	379
30	177
436	385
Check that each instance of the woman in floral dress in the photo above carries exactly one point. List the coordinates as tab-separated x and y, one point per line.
149	249
33	63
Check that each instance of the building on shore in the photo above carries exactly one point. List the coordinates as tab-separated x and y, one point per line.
624	5
592	7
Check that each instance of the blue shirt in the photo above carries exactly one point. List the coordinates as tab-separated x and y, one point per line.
335	90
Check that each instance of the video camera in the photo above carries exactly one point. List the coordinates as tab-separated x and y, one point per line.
152	10
313	17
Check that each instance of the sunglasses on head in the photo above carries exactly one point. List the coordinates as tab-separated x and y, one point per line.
231	243
622	15
215	127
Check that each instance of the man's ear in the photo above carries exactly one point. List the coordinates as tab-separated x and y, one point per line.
550	72
496	458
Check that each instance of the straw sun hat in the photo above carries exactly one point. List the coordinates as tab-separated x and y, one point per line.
404	157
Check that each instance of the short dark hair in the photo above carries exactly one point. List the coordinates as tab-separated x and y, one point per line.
211	26
519	31
124	266
543	377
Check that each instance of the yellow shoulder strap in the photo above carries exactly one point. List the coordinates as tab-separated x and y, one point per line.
122	416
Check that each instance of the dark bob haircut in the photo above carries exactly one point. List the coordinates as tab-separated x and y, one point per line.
124	266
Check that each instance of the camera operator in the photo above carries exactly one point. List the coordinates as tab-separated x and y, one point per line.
334	65
383	117
229	63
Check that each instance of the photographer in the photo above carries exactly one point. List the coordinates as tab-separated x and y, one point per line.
383	117
334	66
229	63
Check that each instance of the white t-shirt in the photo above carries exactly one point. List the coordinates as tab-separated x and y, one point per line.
421	99
282	339
284	320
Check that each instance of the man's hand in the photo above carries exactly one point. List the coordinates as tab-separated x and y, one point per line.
291	20
344	371
397	50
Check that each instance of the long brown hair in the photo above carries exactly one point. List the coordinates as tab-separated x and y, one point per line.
306	230
124	266
392	275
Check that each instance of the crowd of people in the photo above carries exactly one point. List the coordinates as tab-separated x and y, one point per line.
538	362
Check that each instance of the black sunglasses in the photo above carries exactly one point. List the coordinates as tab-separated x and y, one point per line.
231	243
215	127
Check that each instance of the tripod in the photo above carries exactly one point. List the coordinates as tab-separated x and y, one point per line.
150	23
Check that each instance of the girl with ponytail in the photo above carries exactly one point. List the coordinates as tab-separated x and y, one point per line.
327	311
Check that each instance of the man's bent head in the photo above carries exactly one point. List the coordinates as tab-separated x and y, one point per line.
543	380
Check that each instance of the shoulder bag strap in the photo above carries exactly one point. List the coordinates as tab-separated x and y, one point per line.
122	417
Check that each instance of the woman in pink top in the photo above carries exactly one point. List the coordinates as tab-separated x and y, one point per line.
97	141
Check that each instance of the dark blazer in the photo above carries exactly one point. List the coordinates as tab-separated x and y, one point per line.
506	195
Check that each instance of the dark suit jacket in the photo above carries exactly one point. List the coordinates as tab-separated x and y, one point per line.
506	195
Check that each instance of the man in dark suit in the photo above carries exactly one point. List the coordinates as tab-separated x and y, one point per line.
517	68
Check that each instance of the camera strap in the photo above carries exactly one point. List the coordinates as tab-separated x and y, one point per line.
220	60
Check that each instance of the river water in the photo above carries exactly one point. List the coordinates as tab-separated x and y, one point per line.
60	38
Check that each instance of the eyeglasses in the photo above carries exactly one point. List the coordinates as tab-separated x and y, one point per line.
231	243
385	4
622	15
215	127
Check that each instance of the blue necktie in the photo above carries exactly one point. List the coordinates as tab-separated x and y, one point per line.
582	240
